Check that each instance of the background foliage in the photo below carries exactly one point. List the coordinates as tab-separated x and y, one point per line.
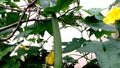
30	22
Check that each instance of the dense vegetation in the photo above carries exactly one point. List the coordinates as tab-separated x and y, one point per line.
32	20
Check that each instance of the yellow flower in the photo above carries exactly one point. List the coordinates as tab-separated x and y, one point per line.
50	58
108	20
24	47
112	16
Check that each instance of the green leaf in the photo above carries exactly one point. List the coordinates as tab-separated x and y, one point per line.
25	16
12	4
33	50
105	52
102	26
2	1
40	27
98	33
68	59
70	46
23	34
99	16
45	3
94	46
92	64
32	40
5	49
39	40
5	32
60	5
12	17
11	63
16	0
69	19
48	3
95	24
94	11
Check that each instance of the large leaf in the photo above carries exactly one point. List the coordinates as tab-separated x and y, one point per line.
105	52
70	46
95	12
98	33
97	24
40	28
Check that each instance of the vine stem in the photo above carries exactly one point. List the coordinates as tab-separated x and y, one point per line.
57	43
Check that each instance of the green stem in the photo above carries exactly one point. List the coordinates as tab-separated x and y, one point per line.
57	43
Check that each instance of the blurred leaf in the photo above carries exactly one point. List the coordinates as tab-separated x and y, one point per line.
16	0
53	2
70	46
99	34
69	19
105	52
32	40
94	11
92	64
23	34
45	3
12	63
98	24
39	40
2	22
3	1
99	16
68	59
12	4
60	5
5	32
39	28
114	3
25	16
12	17
94	46
33	50
48	3
9	62
5	49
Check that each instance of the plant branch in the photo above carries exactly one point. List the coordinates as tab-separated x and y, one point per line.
68	11
78	59
19	22
15	24
9	8
18	10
